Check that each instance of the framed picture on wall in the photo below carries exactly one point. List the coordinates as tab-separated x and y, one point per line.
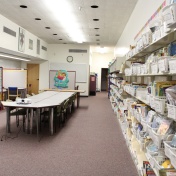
38	46
30	44
21	40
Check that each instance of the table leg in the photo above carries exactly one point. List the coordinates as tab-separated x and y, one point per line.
31	120
37	118
8	119
78	99
27	120
51	120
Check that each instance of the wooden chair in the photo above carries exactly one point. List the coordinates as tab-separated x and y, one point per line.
12	93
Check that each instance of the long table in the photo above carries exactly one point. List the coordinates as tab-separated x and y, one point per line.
68	90
47	99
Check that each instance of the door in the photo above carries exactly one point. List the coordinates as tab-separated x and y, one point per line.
33	78
104	79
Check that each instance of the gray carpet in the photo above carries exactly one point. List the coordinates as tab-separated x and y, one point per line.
90	144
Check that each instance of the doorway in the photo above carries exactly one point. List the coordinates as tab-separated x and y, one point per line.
33	78
104	79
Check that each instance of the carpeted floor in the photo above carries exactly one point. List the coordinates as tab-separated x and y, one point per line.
90	144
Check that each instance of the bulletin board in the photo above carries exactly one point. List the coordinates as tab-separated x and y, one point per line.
71	76
14	78
80	69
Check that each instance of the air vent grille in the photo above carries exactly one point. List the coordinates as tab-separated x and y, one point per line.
77	51
44	48
9	31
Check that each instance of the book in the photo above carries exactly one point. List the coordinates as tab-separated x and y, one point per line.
147	169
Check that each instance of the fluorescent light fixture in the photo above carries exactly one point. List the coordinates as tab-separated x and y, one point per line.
102	50
13	57
121	51
64	14
80	8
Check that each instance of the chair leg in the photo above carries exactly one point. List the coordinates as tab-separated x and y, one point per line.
17	120
23	123
55	123
62	118
70	108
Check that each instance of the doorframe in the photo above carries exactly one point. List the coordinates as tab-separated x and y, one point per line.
106	79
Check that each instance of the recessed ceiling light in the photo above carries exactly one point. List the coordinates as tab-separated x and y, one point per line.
98	44
60	39
96	28
97	35
47	27
37	18
96	19
23	6
94	6
54	34
64	43
98	40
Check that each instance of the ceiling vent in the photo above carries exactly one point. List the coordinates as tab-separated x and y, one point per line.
9	31
44	48
77	51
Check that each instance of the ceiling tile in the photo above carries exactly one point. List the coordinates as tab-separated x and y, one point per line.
113	15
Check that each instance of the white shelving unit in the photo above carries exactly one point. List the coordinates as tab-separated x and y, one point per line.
137	147
1	83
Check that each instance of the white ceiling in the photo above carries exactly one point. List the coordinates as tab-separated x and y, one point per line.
112	14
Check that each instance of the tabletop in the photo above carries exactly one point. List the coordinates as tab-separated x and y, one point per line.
44	99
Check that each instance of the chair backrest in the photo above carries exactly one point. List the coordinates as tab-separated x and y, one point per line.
12	92
77	87
65	106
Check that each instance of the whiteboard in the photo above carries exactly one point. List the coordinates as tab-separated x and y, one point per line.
71	77
14	78
81	69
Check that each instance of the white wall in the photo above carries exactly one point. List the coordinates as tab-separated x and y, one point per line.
59	52
11	43
44	75
6	63
143	11
100	61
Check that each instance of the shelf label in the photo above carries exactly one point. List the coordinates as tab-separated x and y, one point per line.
171	111
152	102
154	68
138	70
172	66
157	106
148	98
161	65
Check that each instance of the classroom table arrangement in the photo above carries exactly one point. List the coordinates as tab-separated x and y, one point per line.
53	102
